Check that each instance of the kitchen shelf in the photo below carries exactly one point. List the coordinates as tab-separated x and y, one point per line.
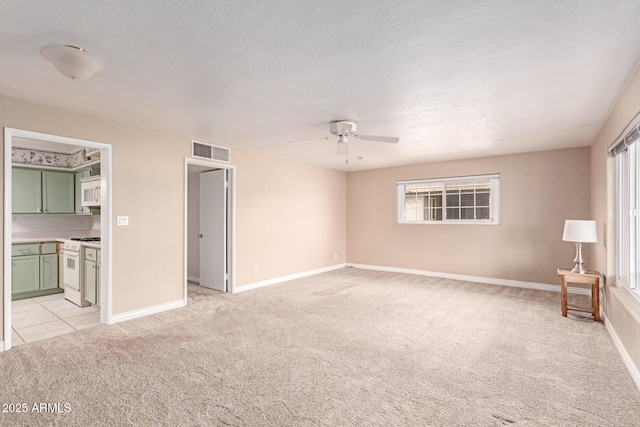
94	153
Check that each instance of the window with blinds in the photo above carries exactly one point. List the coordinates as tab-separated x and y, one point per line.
627	207
461	200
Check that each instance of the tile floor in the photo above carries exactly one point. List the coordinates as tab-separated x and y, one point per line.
38	318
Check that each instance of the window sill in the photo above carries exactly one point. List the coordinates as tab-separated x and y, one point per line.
628	298
449	222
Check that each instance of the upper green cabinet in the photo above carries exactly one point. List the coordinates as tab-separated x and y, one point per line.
36	191
26	191
58	192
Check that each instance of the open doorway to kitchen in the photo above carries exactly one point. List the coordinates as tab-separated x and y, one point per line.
209	229
57	235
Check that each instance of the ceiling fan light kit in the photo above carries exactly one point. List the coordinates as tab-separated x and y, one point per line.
344	129
72	61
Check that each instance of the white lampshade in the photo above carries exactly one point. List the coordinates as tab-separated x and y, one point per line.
72	61
580	231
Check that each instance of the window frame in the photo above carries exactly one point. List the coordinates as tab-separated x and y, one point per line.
627	213
494	200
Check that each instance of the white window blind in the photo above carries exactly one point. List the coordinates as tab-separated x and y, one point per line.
626	153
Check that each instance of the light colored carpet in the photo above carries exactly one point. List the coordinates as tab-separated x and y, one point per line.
349	347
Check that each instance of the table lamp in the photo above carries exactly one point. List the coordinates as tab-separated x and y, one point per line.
579	232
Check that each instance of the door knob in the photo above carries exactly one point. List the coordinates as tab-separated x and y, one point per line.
199	236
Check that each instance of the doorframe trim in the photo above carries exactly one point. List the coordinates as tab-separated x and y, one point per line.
231	218
106	287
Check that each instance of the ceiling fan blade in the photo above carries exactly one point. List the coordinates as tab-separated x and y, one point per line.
390	139
322	138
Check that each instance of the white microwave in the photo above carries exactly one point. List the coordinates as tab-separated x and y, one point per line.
90	188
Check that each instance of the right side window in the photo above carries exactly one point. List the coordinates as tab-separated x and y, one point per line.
627	211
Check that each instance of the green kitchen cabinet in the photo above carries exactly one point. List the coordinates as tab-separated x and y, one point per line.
92	275
90	281
34	269
24	249
61	270
42	191
98	278
26	191
48	271
58	192
25	274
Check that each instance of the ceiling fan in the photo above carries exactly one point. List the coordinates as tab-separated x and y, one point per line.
345	129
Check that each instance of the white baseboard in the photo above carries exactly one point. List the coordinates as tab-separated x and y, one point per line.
626	358
116	318
478	279
194	279
281	279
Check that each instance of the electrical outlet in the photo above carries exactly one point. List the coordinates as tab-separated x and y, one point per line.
256	269
335	256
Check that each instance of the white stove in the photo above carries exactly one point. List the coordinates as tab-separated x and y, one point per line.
85	239
74	269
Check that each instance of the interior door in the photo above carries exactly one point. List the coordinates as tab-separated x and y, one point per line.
213	229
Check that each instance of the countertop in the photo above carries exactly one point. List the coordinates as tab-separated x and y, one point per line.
36	240
56	236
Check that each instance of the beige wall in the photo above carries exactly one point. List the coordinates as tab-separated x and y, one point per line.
288	214
290	217
538	192
621	308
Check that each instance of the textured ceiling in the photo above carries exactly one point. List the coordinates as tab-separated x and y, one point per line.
451	79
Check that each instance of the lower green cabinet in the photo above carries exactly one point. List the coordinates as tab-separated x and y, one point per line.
48	271
92	275
34	269
25	274
98	280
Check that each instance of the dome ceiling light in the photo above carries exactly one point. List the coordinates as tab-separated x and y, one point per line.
72	61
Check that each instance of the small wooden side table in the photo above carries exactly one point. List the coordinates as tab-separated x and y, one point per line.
590	278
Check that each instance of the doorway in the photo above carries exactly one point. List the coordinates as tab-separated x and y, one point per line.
12	136
209	229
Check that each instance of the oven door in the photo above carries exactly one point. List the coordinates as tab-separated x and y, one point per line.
72	269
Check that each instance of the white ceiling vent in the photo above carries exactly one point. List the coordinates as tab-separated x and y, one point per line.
210	152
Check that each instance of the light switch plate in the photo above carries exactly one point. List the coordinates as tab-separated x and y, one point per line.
123	220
